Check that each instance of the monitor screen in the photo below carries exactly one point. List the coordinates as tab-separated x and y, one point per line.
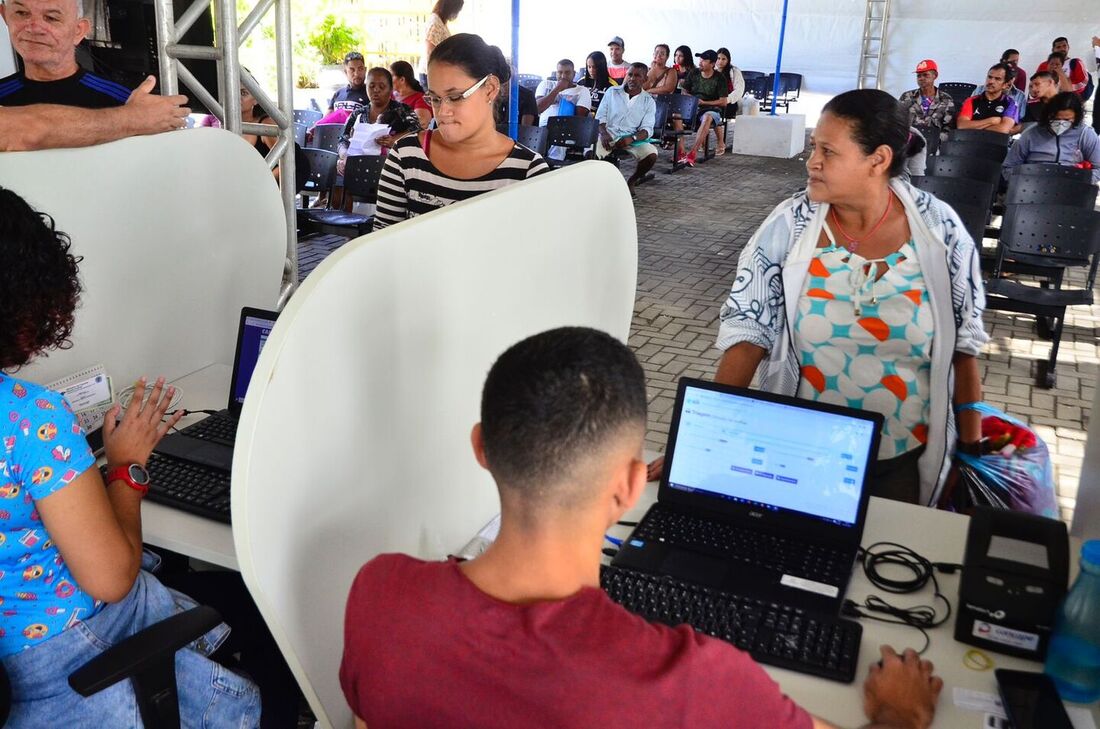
253	335
773	455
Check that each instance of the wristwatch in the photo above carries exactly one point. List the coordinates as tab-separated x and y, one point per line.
134	475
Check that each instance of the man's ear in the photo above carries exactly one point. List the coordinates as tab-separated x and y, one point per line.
629	486
477	441
83	28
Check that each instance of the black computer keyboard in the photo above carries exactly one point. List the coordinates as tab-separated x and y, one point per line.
217	429
189	487
776	553
775	634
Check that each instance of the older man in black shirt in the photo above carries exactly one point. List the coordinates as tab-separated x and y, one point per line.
45	34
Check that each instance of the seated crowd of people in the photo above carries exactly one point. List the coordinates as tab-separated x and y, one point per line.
1045	109
873	312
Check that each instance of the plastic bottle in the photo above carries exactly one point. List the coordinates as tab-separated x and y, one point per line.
1073	660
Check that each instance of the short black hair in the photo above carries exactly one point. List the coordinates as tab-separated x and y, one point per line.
553	399
876	120
1004	69
566	62
1009	52
380	71
39	286
1044	74
1066	100
1057	54
1059	39
352	56
639	64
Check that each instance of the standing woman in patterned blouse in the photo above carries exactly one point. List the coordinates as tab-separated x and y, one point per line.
865	292
465	155
443	12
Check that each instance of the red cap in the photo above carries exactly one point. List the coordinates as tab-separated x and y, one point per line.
927	65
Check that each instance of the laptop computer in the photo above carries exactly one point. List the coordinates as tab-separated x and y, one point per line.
209	442
762	495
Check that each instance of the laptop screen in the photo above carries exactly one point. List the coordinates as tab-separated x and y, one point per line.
773	455
251	339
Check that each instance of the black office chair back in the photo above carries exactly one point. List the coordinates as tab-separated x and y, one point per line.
974	168
685	106
322	172
958	91
1049	169
529	80
979	135
309	117
361	175
985	150
576	133
969	198
1036	190
534	138
327	136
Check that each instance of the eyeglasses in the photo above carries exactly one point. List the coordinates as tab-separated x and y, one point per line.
454	99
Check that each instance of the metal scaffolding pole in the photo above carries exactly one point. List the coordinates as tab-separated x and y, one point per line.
227	107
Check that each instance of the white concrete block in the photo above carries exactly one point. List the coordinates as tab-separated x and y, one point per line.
783	135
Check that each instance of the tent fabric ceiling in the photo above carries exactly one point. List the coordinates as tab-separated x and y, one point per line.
823	36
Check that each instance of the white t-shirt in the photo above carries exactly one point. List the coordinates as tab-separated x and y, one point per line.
579	95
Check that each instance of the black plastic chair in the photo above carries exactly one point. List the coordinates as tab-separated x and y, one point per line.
686	108
979	135
958	91
529	81
755	83
969	198
534	138
327	136
1038	190
322	172
577	134
985	150
1062	235
790	85
309	117
361	174
1049	170
974	168
300	134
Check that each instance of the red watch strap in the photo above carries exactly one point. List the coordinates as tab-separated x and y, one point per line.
122	473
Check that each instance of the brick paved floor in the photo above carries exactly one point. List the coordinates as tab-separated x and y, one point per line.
693	224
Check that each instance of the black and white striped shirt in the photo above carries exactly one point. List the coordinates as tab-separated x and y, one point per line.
411	185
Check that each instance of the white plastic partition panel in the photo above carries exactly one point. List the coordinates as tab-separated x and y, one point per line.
170	252
354	438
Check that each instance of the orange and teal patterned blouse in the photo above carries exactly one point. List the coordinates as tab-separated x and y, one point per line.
866	343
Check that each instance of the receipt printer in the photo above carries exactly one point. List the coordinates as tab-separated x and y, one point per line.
1014	577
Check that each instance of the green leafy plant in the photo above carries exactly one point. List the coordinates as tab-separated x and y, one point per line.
333	38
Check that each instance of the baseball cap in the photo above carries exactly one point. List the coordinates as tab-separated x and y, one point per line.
617	41
709	55
927	65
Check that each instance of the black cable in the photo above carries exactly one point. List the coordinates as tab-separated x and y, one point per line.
921	617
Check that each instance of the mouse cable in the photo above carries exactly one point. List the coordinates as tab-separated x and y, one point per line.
921	617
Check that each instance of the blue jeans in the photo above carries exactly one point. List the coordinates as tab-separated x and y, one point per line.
210	696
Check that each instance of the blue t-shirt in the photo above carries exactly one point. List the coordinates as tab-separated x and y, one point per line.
44	449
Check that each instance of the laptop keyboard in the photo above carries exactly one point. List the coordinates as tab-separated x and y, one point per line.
189	487
216	429
748	546
775	634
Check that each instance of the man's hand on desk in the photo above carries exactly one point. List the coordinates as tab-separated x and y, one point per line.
901	692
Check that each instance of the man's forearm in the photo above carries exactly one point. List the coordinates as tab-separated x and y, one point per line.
48	126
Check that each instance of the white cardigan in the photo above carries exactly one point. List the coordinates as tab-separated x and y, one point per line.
771	273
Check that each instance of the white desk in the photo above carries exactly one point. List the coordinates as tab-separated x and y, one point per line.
194	536
941	537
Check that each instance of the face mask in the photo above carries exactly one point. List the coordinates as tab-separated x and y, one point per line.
1060	126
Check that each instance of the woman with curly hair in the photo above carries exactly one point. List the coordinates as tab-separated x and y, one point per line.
71	546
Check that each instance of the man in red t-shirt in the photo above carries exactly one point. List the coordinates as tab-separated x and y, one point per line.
1073	76
523	635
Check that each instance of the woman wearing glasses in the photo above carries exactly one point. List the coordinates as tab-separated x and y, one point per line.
465	156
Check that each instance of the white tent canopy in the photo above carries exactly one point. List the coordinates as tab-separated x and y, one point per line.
823	38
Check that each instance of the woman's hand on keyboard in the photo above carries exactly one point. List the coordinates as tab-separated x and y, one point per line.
131	439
